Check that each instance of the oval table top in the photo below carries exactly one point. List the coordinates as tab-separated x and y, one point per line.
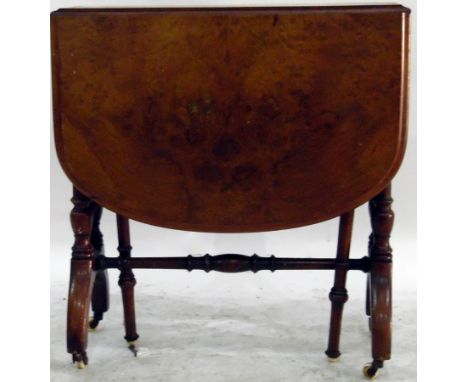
230	120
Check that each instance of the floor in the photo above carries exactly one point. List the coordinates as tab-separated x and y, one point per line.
260	331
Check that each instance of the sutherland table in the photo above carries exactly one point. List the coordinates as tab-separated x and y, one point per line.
230	120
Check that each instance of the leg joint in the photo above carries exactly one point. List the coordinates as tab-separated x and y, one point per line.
338	295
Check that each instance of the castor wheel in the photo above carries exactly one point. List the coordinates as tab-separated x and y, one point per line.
94	321
80	360
371	370
332	355
92	324
132	347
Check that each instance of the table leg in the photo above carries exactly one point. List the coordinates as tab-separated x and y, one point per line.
81	278
339	294
127	282
100	297
382	218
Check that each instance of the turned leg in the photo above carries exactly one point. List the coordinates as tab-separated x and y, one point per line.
339	294
81	278
380	285
127	282
100	297
368	300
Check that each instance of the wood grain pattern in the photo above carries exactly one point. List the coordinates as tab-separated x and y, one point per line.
230	120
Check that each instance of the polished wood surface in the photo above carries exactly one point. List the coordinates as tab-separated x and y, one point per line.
230	120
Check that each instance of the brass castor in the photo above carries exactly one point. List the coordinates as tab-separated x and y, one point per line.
92	324
132	347
370	371
333	355
80	360
94	321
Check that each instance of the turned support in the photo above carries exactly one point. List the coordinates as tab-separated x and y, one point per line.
100	296
233	263
338	294
127	280
81	277
380	278
368	289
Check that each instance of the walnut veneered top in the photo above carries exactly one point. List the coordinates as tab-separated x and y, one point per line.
230	120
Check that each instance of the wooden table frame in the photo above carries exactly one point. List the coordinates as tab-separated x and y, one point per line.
104	134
